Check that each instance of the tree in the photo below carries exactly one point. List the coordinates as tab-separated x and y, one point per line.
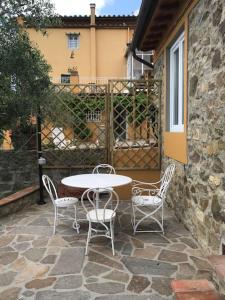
24	73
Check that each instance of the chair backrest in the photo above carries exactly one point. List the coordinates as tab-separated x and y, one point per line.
104	169
88	201
165	180
50	188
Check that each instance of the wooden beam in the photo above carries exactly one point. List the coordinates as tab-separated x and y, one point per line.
170	6
151	45
158	28
152	40
154	35
162	19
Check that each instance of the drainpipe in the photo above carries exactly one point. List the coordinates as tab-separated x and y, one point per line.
150	65
93	41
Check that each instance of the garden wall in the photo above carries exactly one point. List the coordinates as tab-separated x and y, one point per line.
18	170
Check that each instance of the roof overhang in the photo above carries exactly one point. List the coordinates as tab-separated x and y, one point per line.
154	20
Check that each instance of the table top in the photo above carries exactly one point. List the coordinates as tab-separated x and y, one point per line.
96	180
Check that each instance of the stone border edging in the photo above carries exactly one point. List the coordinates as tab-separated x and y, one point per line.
18	200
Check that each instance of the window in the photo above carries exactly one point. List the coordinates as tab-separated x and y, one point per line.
65	78
176	85
135	69
73	40
93	116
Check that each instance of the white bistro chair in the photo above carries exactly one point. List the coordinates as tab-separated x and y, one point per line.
101	220
60	203
103	169
148	200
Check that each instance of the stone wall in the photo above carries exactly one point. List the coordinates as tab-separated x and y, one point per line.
18	170
197	193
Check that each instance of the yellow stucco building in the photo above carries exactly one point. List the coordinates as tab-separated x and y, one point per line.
91	47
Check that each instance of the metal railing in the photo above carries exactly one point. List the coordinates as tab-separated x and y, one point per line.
90	80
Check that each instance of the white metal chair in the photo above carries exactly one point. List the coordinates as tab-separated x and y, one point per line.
103	169
103	217
148	200
60	203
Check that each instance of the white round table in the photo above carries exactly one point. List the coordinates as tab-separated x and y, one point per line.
96	181
87	181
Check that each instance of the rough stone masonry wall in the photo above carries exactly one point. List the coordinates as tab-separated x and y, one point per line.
197	193
18	170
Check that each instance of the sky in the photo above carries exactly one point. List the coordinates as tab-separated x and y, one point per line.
103	7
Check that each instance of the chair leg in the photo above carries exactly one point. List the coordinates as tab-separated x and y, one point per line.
97	199
134	219
55	220
75	223
57	216
112	236
162	221
88	238
148	215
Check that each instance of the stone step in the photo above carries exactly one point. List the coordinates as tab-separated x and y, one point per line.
198	296
218	264
201	289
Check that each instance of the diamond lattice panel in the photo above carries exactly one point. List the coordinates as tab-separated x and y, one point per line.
135	131
74	126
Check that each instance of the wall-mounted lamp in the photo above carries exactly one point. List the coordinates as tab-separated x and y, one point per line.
41	161
72	55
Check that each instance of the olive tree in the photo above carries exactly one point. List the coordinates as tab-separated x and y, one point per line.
24	73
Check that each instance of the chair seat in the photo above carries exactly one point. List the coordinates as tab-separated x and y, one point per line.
103	215
147	200
66	201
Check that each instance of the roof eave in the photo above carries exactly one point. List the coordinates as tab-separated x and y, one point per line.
145	14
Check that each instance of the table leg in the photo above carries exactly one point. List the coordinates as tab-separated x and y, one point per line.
97	199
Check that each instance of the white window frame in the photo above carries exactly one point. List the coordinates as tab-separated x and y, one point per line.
73	41
130	63
178	45
65	76
93	116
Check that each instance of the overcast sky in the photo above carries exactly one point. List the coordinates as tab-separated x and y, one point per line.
103	7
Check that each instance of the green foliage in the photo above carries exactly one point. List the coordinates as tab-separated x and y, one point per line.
50	144
24	82
82	131
135	107
24	79
70	109
39	14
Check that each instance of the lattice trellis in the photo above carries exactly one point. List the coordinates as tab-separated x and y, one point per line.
84	125
69	138
135	124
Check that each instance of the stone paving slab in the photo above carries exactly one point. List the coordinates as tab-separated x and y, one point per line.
149	267
34	264
49	295
70	262
124	297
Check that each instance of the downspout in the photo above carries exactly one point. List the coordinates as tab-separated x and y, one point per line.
93	42
145	62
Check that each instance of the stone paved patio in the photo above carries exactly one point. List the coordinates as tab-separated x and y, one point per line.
36	265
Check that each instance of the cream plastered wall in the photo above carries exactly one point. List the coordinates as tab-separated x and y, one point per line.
55	49
110	51
111	47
